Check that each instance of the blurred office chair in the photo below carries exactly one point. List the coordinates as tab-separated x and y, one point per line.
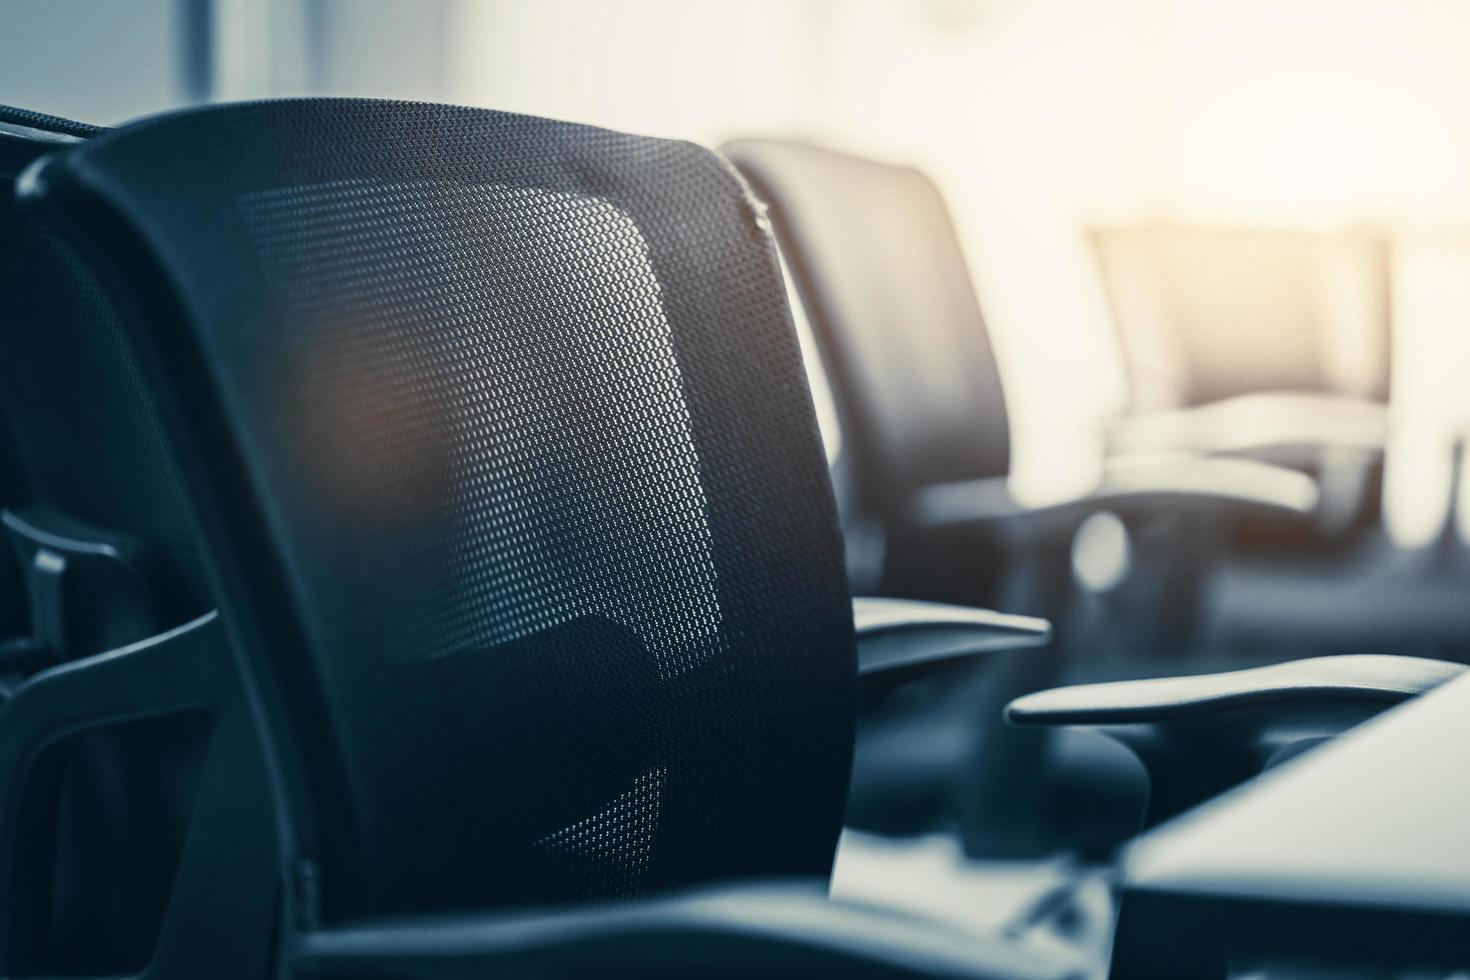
104	554
879	270
1268	343
1274	344
528	559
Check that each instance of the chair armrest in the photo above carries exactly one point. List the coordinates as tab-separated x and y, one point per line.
742	931
226	884
1237	484
1139	487
1197	736
1263	421
898	639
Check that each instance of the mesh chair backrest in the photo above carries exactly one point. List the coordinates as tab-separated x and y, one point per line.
880	268
513	428
86	438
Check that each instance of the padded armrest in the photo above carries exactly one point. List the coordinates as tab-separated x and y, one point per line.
1267	420
1244	484
900	638
1199	735
742	931
1138	486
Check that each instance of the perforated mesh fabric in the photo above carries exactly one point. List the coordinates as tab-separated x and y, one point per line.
883	276
42	122
581	373
522	419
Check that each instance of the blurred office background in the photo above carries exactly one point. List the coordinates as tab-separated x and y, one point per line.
1162	202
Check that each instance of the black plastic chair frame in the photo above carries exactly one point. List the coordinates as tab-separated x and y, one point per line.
226	890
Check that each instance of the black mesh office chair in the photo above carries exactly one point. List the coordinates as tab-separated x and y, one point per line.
495	432
499	442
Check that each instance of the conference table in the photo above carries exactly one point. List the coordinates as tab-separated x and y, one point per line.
1360	848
